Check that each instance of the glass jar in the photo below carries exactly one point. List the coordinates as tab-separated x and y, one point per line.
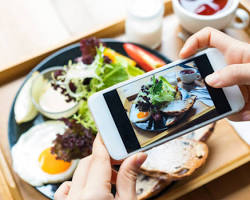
144	22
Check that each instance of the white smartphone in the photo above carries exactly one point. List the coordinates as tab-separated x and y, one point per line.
162	104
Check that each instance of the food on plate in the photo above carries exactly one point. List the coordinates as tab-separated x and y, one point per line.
175	159
76	142
145	59
50	96
24	109
139	116
147	186
49	152
158	99
156	93
99	67
117	57
178	107
53	101
32	157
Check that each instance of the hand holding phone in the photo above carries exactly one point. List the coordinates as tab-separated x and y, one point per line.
237	56
153	108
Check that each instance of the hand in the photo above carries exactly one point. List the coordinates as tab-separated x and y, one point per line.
237	55
94	175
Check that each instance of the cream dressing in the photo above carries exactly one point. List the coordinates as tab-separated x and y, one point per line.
52	100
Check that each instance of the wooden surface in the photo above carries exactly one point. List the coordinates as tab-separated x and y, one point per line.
29	28
232	186
8	187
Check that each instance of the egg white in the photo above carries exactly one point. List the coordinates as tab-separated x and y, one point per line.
133	115
26	151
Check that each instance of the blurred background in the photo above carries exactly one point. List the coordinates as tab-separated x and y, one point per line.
28	27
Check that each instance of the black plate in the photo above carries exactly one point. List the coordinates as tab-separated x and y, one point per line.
59	58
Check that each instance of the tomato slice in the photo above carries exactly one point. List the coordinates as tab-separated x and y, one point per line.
144	59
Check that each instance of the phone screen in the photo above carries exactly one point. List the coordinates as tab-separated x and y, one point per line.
163	104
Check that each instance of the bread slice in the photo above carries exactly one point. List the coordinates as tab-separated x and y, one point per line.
147	186
175	159
179	107
201	134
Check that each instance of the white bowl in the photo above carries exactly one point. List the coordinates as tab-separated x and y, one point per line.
193	22
39	83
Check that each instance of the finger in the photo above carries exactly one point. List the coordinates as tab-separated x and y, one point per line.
63	191
114	177
207	37
81	172
99	175
80	176
243	115
126	178
238	74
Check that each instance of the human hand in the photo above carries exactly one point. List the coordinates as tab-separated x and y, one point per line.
94	175
237	55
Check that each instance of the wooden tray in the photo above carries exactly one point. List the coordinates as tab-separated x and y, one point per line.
227	150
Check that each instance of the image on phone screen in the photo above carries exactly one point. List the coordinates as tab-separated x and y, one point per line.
165	103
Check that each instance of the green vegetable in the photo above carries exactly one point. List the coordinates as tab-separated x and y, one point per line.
166	83
133	71
116	75
161	91
84	116
106	76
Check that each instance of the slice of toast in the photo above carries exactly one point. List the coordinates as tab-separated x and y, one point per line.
175	159
147	186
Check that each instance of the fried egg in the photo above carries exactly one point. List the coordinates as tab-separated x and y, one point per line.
137	116
32	158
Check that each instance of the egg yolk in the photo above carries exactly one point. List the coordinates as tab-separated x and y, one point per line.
50	164
141	115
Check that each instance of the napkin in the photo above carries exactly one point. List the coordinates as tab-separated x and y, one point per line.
242	129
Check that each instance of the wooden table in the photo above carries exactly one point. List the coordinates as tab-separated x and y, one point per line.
29	27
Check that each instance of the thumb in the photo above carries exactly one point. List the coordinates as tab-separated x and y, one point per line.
63	191
126	178
238	74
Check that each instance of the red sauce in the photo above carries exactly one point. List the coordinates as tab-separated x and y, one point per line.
187	71
203	7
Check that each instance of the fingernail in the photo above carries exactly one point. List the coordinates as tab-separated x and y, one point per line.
140	158
213	79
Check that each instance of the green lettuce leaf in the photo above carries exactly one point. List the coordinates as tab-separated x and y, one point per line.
161	91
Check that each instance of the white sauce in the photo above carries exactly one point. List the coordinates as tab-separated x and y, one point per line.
52	100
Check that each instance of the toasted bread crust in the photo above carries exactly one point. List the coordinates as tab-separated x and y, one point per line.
155	189
196	159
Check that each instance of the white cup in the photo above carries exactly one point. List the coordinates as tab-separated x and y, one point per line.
189	77
193	22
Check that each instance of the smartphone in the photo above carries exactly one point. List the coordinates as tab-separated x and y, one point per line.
162	104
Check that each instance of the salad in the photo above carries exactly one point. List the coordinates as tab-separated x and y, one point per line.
160	104
63	92
99	67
